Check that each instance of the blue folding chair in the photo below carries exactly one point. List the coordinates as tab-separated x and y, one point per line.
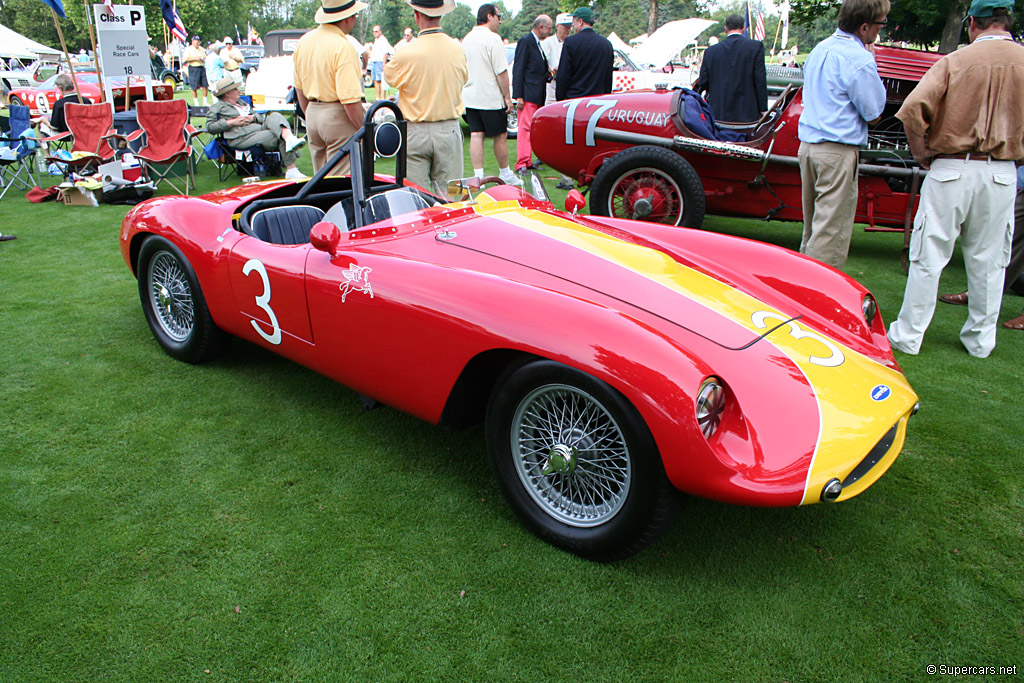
16	165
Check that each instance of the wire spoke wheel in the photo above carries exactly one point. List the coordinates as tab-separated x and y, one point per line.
649	183
571	455
647	194
171	296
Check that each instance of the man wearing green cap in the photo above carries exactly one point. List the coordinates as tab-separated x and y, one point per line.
965	123
585	67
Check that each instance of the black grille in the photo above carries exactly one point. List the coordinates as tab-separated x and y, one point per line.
873	456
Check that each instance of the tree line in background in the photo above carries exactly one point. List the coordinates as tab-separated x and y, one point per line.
923	23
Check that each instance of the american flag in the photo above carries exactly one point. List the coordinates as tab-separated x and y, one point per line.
759	26
108	6
173	21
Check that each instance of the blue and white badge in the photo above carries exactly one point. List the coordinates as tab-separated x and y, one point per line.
880	393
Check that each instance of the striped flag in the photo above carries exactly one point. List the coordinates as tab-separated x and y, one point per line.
173	21
108	7
759	26
746	22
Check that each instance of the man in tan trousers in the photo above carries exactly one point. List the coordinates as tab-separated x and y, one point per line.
429	75
329	82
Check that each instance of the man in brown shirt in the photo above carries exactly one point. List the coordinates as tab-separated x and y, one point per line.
965	123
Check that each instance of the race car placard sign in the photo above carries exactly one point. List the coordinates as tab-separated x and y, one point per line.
123	44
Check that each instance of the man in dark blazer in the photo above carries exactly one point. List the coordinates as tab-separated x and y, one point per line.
530	75
732	73
585	67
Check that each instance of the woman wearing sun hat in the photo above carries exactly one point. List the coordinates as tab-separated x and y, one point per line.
243	129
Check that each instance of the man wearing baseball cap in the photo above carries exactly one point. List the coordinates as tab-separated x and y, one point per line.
585	67
329	82
965	123
429	75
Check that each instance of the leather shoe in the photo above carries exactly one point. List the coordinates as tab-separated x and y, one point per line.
565	185
955	299
535	166
8	238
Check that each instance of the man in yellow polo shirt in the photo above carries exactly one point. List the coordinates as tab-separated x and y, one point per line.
429	74
329	82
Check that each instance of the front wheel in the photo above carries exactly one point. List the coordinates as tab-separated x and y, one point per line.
16	101
174	304
576	462
651	184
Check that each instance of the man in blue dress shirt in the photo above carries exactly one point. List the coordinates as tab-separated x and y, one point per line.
842	95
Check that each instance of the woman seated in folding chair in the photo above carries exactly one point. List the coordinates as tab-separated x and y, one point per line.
243	129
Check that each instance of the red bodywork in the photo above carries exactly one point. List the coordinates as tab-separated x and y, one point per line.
736	186
41	100
454	292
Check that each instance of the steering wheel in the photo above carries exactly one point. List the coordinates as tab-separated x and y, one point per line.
767	116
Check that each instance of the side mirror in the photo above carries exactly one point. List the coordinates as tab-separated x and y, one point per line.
574	201
325	236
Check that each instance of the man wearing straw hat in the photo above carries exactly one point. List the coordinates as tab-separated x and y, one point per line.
329	82
429	75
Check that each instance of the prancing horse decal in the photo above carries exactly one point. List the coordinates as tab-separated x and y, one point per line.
357	279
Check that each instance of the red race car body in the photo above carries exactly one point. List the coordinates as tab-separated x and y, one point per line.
642	160
612	361
40	100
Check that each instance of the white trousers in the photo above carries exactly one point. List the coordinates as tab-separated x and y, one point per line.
972	199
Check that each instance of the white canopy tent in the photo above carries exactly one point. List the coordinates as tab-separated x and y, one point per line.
667	42
13	44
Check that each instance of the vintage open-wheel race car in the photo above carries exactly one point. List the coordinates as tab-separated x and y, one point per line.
614	363
641	161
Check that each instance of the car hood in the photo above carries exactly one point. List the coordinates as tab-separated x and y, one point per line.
634	275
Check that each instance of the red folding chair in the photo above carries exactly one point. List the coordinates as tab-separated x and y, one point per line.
92	128
168	141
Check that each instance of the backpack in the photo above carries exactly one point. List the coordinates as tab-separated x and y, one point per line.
697	116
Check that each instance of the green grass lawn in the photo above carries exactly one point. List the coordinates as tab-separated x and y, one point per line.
246	519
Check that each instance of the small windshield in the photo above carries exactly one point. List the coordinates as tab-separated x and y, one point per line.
467	189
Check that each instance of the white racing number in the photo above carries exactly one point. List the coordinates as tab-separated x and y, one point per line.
263	301
836	358
570	116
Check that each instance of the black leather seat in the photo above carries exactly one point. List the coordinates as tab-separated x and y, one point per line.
286	224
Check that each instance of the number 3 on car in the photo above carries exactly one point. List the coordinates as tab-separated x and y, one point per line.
263	301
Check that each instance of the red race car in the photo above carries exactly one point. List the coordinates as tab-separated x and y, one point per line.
613	362
40	99
642	161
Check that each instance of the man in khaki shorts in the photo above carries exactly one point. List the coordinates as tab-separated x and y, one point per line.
329	82
430	74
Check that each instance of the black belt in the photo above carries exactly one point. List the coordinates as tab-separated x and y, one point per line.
316	101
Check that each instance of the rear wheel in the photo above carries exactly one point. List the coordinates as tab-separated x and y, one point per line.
576	462
170	82
174	304
651	184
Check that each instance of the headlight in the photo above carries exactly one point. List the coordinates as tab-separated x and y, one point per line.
869	308
710	405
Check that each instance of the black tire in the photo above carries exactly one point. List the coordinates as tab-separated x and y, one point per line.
174	304
16	101
649	183
605	495
171	81
512	124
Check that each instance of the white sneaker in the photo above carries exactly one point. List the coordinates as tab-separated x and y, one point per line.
510	178
294	143
294	174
